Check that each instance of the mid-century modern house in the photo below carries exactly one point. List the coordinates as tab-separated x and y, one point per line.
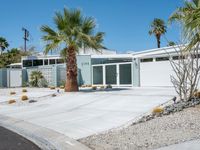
133	69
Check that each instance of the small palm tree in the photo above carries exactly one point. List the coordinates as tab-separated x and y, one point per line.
74	31
158	28
35	77
3	44
188	16
171	43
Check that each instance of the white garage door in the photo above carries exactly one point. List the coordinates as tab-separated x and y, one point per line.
155	73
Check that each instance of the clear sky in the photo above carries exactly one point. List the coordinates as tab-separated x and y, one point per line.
125	22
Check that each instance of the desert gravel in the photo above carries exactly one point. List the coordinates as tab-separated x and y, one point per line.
156	133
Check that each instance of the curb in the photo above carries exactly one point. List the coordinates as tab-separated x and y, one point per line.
44	138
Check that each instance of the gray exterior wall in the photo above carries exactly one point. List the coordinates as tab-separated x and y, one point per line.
55	75
3	78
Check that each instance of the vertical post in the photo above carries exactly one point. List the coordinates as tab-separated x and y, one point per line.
117	74
104	75
26	35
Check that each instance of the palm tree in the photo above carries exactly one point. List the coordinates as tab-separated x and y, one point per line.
188	16
171	43
35	77
158	28
3	44
74	31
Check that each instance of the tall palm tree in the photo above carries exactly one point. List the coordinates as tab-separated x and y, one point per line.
189	17
3	44
74	31
158	28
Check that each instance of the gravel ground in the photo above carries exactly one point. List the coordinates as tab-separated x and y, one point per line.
161	131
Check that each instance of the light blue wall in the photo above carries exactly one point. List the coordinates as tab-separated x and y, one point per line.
84	69
55	75
136	72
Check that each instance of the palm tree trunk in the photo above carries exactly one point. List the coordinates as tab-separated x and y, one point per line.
71	81
158	40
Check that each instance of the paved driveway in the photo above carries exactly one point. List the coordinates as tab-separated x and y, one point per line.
81	114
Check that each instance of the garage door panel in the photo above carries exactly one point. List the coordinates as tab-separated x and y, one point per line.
155	73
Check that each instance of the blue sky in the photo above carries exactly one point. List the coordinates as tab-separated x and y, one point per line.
125	22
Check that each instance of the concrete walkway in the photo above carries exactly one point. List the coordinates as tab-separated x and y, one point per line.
81	114
191	145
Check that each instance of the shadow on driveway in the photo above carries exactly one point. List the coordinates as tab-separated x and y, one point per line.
12	141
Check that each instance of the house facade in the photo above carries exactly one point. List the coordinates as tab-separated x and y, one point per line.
133	69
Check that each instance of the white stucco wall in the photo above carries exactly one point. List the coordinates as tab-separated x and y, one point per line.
155	73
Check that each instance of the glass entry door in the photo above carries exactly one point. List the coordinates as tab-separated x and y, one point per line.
111	74
117	74
125	74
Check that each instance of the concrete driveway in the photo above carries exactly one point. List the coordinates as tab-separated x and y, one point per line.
81	114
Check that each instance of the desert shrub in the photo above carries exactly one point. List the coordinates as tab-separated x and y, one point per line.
24	98
94	87
12	101
102	87
52	87
62	87
35	78
83	86
157	110
109	86
24	90
196	94
12	93
53	95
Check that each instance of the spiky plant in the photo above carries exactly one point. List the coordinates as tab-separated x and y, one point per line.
35	77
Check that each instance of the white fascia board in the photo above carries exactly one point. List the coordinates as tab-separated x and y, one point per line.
155	52
113	56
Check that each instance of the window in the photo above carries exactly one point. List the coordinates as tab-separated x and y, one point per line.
147	60
46	62
178	57
162	58
38	62
27	63
60	61
52	61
